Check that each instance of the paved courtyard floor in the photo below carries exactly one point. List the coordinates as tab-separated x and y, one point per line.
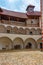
21	58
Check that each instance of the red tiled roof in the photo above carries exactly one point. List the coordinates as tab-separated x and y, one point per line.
34	13
12	13
19	14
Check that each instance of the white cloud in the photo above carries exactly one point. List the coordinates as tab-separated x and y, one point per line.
21	5
11	0
27	2
32	2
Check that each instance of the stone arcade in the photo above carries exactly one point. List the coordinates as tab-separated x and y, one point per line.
20	30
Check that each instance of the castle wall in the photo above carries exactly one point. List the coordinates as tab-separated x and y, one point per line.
24	37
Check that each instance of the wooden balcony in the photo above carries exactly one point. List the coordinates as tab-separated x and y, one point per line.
12	22
33	25
18	23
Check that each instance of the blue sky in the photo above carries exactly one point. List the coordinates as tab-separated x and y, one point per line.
19	5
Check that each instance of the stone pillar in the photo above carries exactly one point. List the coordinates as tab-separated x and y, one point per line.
40	22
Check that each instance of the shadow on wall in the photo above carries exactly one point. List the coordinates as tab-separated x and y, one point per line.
15	30
18	43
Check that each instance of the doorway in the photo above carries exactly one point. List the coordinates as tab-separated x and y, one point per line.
17	47
29	46
40	45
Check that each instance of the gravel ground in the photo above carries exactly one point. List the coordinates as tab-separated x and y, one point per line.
21	58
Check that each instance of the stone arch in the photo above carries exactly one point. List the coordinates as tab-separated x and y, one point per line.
38	31
18	42
32	31
9	29
21	31
30	41
39	41
27	31
15	30
2	29
5	43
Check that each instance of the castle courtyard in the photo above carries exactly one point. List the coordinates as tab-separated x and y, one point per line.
21	35
21	58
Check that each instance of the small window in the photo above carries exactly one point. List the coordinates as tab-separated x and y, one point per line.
31	21
21	20
3	17
2	22
8	31
40	45
3	48
17	47
40	33
31	33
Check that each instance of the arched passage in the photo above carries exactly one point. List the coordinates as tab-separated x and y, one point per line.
30	43
2	29
5	43
33	31
21	31
39	43
38	31
18	43
27	31
15	30
9	29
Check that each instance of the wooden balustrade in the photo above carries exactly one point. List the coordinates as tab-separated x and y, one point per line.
18	23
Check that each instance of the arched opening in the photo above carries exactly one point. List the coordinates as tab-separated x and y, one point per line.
39	43
18	43
30	43
29	46
2	29
32	31
17	47
5	43
27	31
38	31
21	31
9	29
15	30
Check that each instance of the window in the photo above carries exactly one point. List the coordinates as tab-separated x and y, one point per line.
3	17
17	47
40	33
30	33
2	21
8	31
21	20
29	45
3	48
0	17
31	21
40	45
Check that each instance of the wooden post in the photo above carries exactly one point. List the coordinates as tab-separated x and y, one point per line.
9	20
0	18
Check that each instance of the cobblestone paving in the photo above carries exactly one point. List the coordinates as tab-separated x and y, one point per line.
21	58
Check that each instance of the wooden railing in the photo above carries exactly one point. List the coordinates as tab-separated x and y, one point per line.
12	22
33	25
18	23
